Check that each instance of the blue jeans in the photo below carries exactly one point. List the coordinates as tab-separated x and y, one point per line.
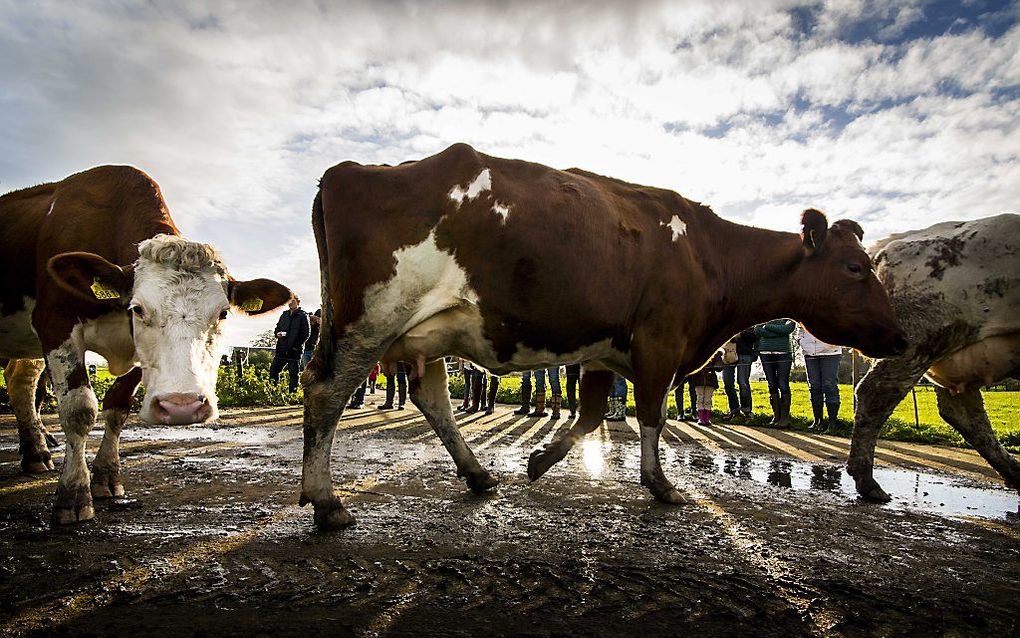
540	374
741	373
305	358
821	377
777	372
619	389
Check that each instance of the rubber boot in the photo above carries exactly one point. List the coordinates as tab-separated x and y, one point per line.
554	403
493	388
818	425
774	402
704	417
539	405
525	401
391	390
572	405
617	409
784	412
833	423
476	397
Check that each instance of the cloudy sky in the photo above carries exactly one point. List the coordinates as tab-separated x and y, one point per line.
895	114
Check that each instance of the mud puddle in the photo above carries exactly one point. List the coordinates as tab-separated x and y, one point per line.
929	492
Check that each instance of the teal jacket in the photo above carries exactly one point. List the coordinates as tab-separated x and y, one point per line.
775	335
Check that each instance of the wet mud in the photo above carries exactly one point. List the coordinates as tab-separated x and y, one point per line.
210	541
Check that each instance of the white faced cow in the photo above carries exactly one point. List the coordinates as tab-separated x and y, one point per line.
955	288
517	266
94	262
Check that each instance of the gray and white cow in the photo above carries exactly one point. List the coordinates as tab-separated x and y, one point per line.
955	287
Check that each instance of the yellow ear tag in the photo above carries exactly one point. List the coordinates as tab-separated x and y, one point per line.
103	291
252	305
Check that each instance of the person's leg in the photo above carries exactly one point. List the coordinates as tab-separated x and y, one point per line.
700	392
401	385
525	394
483	382
391	390
466	400
783	376
769	367
830	388
813	367
476	392
572	393
276	367
493	389
729	374
358	399
292	374
744	382
693	399
305	358
556	393
539	394
617	399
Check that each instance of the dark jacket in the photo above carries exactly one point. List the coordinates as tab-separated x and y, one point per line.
746	341
295	324
313	336
707	377
775	335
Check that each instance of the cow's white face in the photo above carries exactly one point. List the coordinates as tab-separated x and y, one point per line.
176	316
178	294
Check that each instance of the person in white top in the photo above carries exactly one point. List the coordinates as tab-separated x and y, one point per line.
822	362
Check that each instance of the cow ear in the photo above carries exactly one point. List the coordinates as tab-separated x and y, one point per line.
850	225
92	278
813	229
257	295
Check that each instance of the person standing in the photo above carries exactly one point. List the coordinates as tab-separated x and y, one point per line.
617	399
678	396
573	372
706	382
477	390
291	333
468	374
399	371
739	397
821	360
556	398
525	394
314	321
373	378
776	349
493	389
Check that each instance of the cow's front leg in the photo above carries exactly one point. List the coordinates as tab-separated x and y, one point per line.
651	414
595	386
78	408
878	394
106	481
22	377
430	393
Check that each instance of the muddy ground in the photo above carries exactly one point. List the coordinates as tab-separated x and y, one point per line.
210	541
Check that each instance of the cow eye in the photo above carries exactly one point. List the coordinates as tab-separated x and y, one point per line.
137	311
854	268
223	315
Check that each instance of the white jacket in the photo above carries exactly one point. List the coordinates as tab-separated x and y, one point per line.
811	346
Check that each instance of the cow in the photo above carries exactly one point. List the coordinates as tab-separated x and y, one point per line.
955	288
95	262
517	266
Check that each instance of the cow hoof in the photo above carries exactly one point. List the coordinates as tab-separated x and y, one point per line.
870	490
332	517
672	496
51	440
73	506
36	467
542	460
482	482
107	486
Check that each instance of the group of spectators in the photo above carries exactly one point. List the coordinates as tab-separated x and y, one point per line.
297	333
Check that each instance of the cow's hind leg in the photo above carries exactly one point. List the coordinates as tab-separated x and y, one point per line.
595	386
878	394
106	481
326	393
431	395
22	377
966	413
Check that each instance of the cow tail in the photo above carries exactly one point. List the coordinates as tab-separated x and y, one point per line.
321	365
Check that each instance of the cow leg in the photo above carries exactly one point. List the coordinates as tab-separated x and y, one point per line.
325	399
78	408
22	377
595	386
966	413
431	395
106	481
878	394
650	403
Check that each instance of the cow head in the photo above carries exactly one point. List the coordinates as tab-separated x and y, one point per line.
178	294
843	301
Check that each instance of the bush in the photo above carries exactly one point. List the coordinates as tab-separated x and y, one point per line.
253	389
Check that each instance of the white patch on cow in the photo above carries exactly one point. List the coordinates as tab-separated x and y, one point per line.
63	359
18	339
110	336
676	226
181	286
481	183
503	210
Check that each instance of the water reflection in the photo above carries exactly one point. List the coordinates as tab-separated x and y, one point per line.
739	467
826	477
779	473
594	453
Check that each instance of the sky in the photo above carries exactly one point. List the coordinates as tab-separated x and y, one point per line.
896	114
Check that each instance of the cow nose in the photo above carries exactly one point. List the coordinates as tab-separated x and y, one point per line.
179	408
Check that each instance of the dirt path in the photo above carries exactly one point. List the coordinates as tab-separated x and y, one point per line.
210	541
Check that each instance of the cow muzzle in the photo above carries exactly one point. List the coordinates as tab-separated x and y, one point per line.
893	348
180	408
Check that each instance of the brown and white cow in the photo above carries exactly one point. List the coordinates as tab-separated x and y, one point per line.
517	266
955	287
94	262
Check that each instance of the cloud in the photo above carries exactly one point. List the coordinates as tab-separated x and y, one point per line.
898	114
